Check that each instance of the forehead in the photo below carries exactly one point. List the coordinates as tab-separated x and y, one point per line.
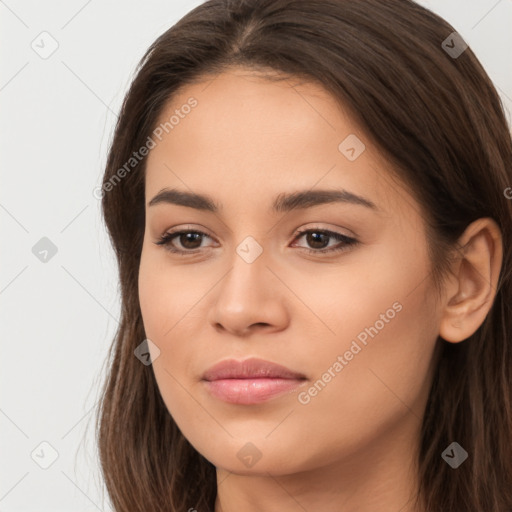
247	138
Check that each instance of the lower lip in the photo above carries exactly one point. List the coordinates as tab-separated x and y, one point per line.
251	391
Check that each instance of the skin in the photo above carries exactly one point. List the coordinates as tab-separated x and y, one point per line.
353	446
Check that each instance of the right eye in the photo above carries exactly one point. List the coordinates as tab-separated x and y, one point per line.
187	238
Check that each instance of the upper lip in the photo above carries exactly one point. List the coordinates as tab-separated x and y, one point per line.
249	368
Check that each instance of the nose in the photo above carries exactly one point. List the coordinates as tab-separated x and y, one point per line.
249	298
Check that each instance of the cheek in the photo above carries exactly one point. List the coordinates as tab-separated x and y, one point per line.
163	306
168	294
376	368
170	301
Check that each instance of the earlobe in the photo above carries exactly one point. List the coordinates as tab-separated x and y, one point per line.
471	290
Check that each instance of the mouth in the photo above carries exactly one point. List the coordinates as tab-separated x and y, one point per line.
251	381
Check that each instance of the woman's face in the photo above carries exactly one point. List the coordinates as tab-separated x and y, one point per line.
356	326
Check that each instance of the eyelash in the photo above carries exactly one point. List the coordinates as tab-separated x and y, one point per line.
167	238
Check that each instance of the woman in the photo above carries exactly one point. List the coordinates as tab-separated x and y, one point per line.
308	203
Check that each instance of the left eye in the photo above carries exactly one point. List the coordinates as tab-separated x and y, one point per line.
318	237
191	240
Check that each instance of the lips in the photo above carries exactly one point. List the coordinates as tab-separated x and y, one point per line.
250	368
250	381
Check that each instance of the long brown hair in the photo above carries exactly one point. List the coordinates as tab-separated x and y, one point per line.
438	119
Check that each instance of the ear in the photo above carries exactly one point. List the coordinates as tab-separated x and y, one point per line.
471	290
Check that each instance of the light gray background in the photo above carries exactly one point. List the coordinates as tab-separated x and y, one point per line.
58	317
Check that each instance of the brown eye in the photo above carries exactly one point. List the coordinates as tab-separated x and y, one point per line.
318	240
189	240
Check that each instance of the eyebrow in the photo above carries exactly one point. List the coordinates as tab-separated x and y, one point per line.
282	203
